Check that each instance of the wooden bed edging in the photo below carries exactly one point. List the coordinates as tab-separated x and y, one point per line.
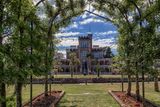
27	103
52	105
117	99
57	99
148	103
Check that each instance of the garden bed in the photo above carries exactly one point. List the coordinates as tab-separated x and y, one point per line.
46	101
125	100
130	101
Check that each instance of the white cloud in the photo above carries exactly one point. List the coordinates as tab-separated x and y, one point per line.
93	17
68	34
130	18
66	42
42	16
106	33
114	46
98	13
89	8
84	15
74	25
92	9
90	20
35	1
105	42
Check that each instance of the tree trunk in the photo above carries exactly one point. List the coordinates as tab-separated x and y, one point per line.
129	85
71	74
71	70
31	89
148	79
122	82
143	88
137	87
2	85
3	95
31	42
98	74
156	86
19	94
19	83
50	84
46	85
137	83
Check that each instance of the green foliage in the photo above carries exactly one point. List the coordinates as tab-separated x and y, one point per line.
136	22
108	53
31	44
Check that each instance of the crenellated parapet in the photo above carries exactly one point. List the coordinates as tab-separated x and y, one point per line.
88	37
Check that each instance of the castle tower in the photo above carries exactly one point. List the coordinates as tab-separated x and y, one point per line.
84	50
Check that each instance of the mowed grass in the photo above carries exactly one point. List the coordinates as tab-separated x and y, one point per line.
91	95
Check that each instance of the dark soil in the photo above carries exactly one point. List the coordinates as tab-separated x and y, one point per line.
128	100
44	101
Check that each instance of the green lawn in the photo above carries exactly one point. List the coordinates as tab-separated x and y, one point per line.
91	95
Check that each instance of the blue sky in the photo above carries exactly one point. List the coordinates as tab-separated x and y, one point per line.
104	33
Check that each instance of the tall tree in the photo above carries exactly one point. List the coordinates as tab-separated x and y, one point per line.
73	62
5	60
2	84
23	12
58	16
134	41
118	14
108	53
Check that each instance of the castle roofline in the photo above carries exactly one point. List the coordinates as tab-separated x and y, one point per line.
89	36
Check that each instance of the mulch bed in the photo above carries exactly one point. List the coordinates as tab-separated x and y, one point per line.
125	100
46	101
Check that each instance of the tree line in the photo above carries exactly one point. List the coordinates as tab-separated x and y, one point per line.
137	22
28	42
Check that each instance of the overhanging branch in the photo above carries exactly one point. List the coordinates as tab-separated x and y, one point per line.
39	2
98	15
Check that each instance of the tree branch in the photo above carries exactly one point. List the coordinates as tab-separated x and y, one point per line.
98	15
39	2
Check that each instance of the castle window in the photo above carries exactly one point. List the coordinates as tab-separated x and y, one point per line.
83	54
84	44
